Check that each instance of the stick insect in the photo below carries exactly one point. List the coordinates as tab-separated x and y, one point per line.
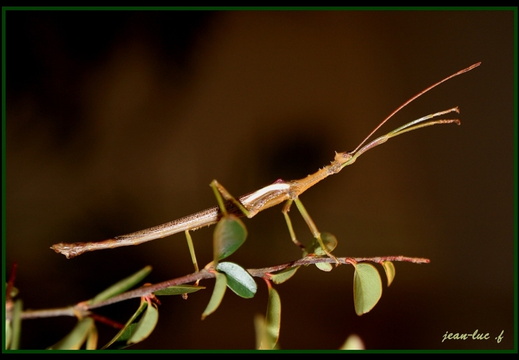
271	195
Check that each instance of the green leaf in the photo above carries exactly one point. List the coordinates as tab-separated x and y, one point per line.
13	327
119	341
229	234
238	279
77	337
283	275
263	340
179	290
367	288
93	337
324	266
146	324
8	336
267	328
389	268
329	240
121	286
260	329
137	328
216	298
273	318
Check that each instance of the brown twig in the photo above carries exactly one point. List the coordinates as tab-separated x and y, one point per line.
83	308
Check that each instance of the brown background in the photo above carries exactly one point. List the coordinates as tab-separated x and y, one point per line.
117	121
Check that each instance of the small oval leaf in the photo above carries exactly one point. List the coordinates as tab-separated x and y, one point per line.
138	328
324	266
273	318
218	292
329	240
389	268
267	328
367	288
229	234
179	290
238	279
119	341
146	324
283	275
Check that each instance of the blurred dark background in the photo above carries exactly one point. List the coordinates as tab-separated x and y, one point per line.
119	120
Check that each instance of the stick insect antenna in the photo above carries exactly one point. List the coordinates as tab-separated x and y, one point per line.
411	100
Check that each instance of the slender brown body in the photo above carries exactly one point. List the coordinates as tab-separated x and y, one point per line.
268	196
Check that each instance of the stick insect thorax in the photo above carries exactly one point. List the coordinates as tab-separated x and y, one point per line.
270	195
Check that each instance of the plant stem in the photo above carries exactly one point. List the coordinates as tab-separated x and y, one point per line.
83	308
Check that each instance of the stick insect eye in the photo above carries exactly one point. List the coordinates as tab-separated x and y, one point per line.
343	156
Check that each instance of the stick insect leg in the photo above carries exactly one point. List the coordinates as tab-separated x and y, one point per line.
309	222
285	211
313	229
220	191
